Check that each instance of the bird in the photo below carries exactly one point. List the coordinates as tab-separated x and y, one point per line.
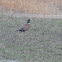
25	27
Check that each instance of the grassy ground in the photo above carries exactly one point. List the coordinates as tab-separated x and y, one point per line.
41	43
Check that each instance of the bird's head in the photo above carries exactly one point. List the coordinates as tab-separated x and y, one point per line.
28	21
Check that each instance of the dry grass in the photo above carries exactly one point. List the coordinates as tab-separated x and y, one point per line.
32	6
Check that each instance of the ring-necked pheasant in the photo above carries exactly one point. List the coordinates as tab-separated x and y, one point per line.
25	27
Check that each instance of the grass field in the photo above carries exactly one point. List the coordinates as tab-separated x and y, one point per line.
41	43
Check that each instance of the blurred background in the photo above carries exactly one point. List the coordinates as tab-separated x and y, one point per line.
44	7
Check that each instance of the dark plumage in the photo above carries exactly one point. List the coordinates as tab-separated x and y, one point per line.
25	27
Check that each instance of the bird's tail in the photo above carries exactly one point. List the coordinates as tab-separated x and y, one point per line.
18	30
22	30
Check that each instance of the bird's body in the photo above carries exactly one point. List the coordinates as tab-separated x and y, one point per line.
25	27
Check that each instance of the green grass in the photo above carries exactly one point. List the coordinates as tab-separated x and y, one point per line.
41	43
